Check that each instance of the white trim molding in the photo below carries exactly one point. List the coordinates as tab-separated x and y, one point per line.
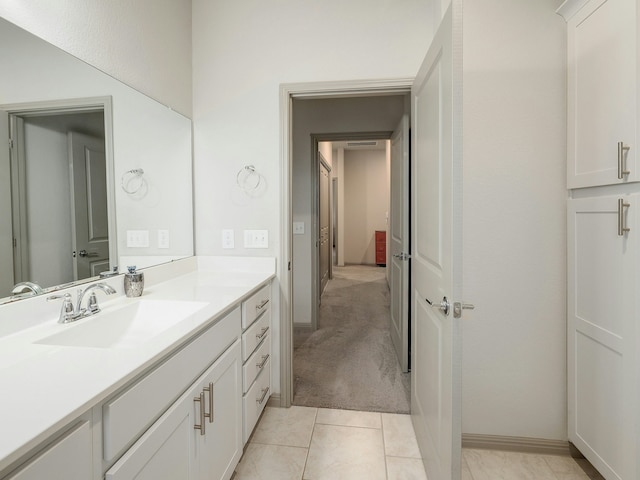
516	444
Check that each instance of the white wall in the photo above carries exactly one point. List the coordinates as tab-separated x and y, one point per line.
143	43
365	204
349	115
514	373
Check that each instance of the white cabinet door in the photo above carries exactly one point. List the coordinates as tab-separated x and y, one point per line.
602	94
602	312
173	448
166	450
219	450
68	458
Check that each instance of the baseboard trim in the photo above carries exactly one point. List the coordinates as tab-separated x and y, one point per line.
274	400
516	444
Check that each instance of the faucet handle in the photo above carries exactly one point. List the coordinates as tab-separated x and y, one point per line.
66	312
92	305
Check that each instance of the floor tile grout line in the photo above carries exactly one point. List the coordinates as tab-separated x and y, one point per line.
313	429
384	448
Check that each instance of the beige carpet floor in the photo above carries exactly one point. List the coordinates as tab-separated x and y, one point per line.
349	362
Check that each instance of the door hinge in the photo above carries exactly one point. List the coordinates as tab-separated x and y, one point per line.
11	143
289	265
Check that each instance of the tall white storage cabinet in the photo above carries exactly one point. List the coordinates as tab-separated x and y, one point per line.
601	100
603	234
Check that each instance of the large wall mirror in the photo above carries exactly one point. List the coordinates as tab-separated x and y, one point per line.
93	174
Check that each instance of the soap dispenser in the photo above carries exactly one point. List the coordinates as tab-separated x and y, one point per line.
133	282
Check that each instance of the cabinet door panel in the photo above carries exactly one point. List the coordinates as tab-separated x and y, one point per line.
602	87
165	451
68	458
601	331
220	449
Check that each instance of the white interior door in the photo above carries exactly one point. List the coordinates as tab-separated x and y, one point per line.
90	224
436	272
399	242
6	227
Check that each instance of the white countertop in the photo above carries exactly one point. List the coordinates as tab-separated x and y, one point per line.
44	387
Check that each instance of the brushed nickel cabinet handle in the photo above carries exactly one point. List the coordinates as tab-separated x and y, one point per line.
200	399
264	394
262	305
622	224
210	390
622	164
260	365
262	333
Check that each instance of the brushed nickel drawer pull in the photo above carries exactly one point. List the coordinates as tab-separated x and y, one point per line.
262	333
264	360
264	394
262	304
210	390
622	227
200	400
622	164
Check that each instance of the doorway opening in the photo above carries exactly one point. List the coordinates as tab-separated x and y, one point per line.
59	201
373	117
347	360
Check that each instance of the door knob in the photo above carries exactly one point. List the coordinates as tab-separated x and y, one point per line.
443	306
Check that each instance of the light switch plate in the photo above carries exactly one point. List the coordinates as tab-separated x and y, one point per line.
137	238
298	228
228	239
163	238
256	239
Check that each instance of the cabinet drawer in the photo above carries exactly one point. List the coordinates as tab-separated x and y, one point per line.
256	363
254	334
68	458
256	399
255	305
125	417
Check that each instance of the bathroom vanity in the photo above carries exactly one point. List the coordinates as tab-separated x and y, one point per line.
166	385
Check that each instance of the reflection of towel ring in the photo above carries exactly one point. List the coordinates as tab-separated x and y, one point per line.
248	179
130	176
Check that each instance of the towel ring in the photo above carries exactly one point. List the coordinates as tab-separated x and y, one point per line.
134	176
248	179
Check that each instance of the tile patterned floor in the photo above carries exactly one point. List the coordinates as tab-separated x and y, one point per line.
303	443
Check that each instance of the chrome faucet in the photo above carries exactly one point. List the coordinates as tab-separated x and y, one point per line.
70	314
29	288
92	305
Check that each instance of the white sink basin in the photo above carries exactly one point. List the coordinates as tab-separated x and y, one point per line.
124	327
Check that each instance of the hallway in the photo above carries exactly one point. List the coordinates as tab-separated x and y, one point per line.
349	362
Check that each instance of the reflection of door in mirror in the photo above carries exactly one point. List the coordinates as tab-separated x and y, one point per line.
6	237
54	171
89	221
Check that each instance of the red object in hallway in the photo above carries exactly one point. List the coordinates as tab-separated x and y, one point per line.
381	248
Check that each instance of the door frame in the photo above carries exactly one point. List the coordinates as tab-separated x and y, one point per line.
18	111
311	90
